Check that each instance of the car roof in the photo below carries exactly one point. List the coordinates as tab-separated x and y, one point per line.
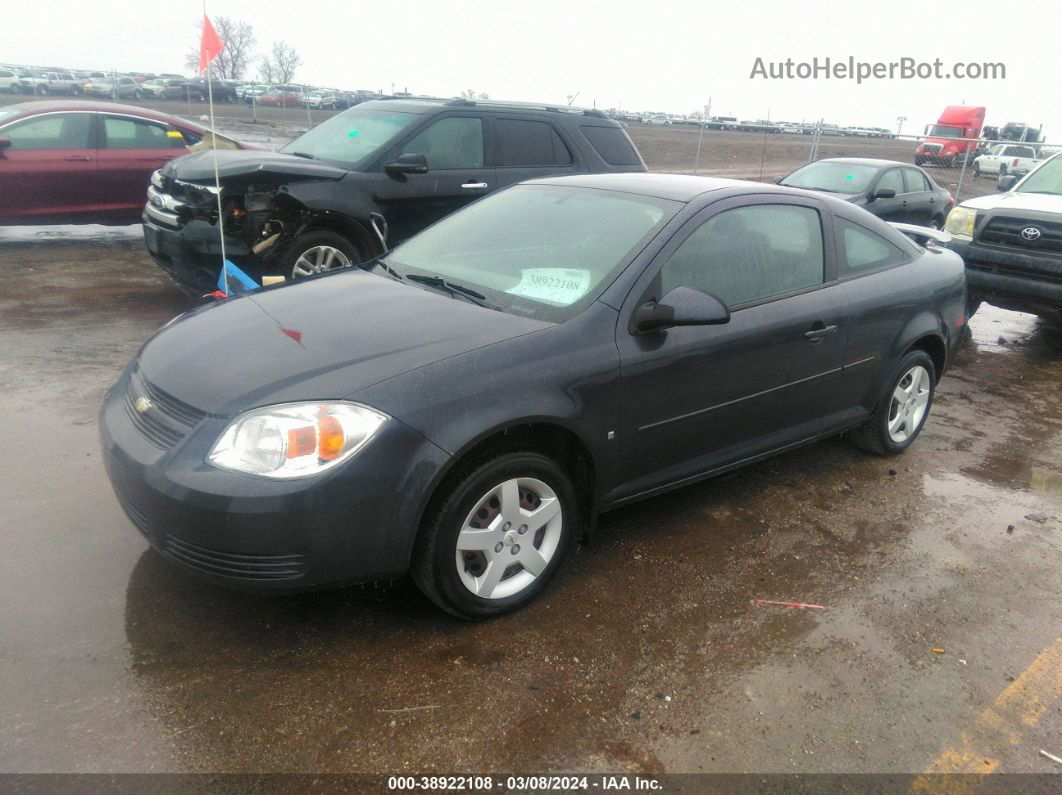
675	187
866	161
25	109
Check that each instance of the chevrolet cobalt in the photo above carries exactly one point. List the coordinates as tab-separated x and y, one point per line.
462	406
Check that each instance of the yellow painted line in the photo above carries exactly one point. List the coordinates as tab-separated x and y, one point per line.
1019	707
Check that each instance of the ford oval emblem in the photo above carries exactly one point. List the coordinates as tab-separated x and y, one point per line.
1031	233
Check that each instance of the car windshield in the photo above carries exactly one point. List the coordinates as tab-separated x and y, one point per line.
351	137
541	251
832	177
945	131
1046	179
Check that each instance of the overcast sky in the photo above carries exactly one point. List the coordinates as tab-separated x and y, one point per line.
662	56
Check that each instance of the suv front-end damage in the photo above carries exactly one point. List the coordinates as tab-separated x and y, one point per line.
266	203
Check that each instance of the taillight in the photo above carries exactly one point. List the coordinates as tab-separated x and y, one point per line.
1015	162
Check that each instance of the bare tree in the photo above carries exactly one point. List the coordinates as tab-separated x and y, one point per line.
281	62
238	40
265	71
471	94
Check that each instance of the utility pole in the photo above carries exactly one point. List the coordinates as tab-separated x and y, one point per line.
899	123
700	140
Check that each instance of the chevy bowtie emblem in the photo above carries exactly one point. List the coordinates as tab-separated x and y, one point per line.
142	404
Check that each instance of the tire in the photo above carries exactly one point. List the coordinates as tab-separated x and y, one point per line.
919	161
499	491
308	254
138	94
874	435
1003	169
977	170
43	91
76	91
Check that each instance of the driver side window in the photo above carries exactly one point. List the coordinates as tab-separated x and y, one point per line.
450	143
750	253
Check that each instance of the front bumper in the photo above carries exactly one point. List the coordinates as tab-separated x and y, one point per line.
191	255
1027	282
352	524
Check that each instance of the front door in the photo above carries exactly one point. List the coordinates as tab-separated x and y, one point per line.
698	398
47	173
458	173
894	209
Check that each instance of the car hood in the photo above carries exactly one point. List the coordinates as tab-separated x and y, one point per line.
324	338
248	166
1034	202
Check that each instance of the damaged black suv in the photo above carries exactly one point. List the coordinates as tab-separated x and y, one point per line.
362	182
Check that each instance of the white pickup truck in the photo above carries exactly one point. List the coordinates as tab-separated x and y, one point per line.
1003	159
1012	243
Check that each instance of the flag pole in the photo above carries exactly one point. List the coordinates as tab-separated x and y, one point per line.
214	150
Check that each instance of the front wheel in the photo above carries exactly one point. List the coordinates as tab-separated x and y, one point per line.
496	536
902	410
919	161
977	170
138	94
318	252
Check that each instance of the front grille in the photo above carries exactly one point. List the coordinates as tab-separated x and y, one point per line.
228	564
1005	230
931	148
135	516
167	403
159	417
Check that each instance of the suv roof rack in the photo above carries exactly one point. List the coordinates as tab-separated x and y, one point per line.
500	103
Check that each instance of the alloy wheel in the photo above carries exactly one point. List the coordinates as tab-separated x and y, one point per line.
508	538
910	400
318	260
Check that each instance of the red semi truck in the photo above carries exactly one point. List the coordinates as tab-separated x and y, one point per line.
940	147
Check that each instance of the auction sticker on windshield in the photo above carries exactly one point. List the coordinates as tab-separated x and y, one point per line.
559	286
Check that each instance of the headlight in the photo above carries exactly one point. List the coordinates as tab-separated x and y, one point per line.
296	439
961	221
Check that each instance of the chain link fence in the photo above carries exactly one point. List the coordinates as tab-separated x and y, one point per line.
966	167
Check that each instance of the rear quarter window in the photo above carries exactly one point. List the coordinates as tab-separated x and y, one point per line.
862	249
611	144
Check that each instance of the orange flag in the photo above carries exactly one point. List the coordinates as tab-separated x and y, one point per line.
210	46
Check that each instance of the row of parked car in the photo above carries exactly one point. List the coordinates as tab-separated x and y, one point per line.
748	125
140	85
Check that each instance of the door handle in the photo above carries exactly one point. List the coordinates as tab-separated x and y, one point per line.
474	185
816	334
79	158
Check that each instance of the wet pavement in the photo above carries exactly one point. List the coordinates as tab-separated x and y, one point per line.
646	655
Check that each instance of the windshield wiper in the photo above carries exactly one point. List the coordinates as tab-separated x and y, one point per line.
379	262
304	154
453	289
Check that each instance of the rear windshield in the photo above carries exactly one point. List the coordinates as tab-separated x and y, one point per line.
832	177
612	144
351	137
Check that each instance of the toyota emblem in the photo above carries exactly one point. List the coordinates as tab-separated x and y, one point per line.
1031	233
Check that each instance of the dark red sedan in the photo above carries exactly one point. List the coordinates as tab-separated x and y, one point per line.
87	162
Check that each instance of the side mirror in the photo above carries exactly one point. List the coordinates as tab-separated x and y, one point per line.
683	306
883	193
1004	183
409	163
5	142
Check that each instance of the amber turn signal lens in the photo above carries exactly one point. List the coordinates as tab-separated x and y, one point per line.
301	441
330	438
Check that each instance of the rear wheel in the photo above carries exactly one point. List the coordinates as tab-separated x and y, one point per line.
318	252
977	169
497	535
919	161
901	412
